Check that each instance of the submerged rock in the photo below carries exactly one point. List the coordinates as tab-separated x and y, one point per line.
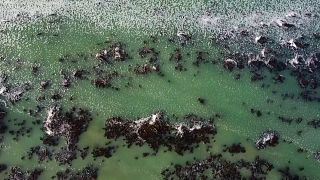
287	174
235	148
42	152
176	56
3	126
103	151
3	167
317	155
268	138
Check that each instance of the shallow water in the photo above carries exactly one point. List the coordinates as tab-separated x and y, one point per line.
42	42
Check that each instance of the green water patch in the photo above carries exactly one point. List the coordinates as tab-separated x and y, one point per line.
69	46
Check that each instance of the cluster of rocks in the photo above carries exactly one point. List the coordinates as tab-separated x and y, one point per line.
290	120
103	151
115	52
42	152
69	125
87	173
266	58
202	58
16	173
63	155
177	58
268	138
156	131
295	55
216	167
10	92
315	123
104	80
305	71
153	63
69	77
146	68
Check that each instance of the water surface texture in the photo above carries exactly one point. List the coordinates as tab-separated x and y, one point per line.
148	89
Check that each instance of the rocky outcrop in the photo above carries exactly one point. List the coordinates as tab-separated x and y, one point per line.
268	138
156	131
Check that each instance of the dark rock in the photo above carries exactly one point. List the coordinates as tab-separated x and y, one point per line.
268	138
286	174
201	58
50	140
80	74
45	84
105	80
261	39
146	68
235	148
229	64
114	52
256	77
66	83
35	70
289	120
201	100
316	35
285	24
184	37
3	126
279	78
3	167
56	96
176	56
